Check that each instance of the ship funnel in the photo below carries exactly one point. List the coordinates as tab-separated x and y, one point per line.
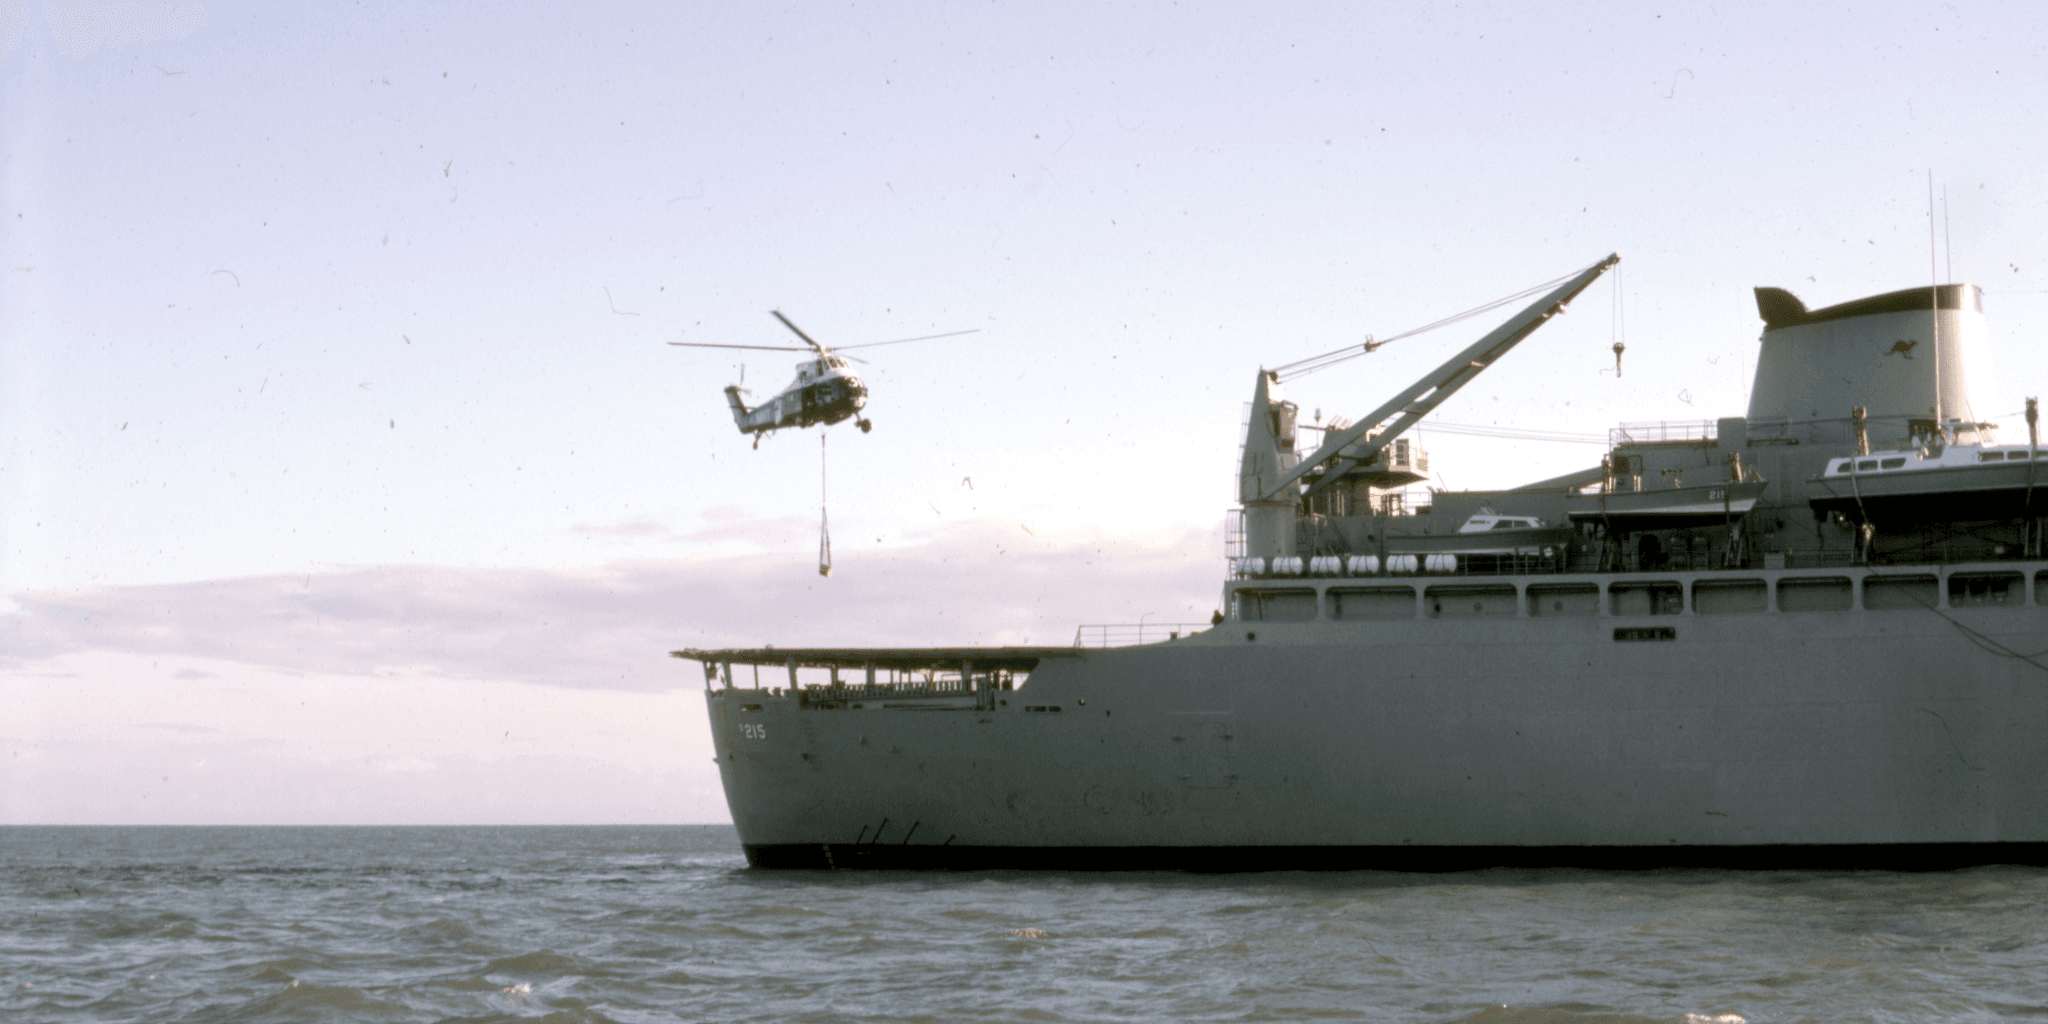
1896	355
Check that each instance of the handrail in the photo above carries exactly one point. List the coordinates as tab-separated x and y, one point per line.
1133	633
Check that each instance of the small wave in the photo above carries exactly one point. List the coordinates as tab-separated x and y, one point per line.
290	966
299	1000
576	1015
1552	1015
971	914
1235	909
439	930
1833	963
465	984
581	1015
543	962
789	910
170	926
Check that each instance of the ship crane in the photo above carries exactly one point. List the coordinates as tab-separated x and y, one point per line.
1269	477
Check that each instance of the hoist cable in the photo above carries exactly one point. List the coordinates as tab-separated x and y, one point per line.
824	520
1303	367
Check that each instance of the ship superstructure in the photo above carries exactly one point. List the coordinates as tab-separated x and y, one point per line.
1811	634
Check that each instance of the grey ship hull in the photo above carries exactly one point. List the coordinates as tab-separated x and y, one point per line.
1913	737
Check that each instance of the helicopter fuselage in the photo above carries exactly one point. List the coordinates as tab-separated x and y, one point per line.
825	391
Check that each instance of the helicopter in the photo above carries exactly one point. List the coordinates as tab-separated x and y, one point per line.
825	391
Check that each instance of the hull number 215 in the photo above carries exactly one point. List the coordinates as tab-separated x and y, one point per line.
753	731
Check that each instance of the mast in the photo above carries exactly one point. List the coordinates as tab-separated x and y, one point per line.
1934	301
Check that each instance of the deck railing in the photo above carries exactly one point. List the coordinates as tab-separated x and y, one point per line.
1704	558
940	685
1662	431
1133	633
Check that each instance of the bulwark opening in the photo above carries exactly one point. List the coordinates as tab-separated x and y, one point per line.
1373	603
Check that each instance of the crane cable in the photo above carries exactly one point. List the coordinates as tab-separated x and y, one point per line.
1620	324
1508	433
1303	367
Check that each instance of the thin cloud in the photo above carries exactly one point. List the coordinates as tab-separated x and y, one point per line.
761	531
971	583
639	529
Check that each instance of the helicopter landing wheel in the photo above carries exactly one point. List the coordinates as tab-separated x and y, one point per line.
757	442
865	425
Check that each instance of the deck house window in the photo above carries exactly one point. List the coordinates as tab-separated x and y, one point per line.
1823	594
1564	600
1899	593
1646	599
1470	602
1728	597
1893	463
1986	589
1278	605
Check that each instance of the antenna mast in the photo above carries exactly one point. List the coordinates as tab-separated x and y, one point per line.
1934	300
1948	250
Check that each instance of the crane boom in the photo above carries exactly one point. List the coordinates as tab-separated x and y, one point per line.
1426	394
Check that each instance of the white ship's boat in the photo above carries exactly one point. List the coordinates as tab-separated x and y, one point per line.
1678	507
1760	677
1935	482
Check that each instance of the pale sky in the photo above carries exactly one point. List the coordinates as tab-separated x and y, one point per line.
345	475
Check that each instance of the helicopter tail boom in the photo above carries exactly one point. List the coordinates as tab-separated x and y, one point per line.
739	408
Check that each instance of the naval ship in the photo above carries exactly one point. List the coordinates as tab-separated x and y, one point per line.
1815	635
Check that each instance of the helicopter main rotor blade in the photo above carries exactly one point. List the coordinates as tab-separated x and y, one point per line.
799	331
764	348
899	341
814	345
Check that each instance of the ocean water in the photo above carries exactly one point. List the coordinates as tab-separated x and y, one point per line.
667	924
